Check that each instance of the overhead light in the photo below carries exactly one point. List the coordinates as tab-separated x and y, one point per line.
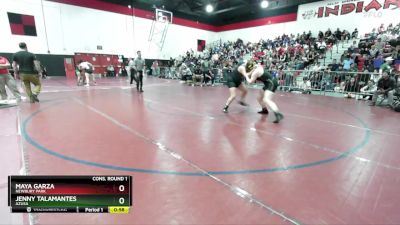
209	8
129	6
264	4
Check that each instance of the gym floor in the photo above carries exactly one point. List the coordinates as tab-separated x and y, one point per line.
330	161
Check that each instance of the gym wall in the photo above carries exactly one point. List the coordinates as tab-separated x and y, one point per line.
64	29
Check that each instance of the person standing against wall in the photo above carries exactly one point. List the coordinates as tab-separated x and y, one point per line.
44	71
205	67
130	69
7	80
28	67
140	66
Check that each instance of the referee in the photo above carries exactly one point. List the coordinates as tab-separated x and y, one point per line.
139	65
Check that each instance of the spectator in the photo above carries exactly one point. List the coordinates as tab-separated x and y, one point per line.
320	35
368	90
364	51
110	71
354	34
369	63
380	45
386	66
340	87
44	71
378	63
351	88
205	67
353	68
306	86
171	62
123	70
373	51
343	56
364	77
345	35
131	71
331	39
155	68
303	87
390	27
361	62
321	45
347	63
386	86
381	29
352	47
7	80
186	73
328	33
373	34
316	67
310	57
375	77
198	76
334	66
338	34
298	52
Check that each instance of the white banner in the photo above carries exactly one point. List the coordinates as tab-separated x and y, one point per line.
335	8
349	14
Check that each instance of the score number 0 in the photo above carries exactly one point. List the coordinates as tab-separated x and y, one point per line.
121	200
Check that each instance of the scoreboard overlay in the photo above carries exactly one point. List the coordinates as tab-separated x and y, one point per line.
70	194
